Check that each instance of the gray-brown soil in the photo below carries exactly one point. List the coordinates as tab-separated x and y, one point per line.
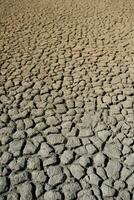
67	100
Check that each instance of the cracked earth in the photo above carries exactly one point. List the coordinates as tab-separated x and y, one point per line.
67	100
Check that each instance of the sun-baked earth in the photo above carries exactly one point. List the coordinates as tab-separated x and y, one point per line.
67	100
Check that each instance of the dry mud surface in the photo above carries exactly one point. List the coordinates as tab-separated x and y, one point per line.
67	100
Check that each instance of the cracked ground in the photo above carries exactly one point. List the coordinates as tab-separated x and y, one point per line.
67	100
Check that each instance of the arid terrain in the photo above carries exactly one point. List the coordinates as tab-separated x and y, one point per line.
67	100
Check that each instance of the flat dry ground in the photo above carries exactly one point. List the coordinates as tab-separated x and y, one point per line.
67	100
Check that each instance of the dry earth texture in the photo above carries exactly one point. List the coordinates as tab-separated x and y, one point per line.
67	100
